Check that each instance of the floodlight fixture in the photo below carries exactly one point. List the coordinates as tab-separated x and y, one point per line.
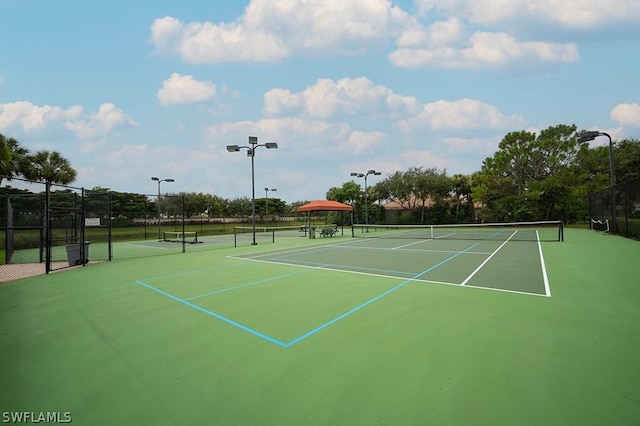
266	201
251	152
366	192
588	136
157	179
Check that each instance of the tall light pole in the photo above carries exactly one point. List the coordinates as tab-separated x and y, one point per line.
589	136
251	152
158	203
266	201
366	192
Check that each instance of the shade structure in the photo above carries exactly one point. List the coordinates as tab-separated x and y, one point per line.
324	205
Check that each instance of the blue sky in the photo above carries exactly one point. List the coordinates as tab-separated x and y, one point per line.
129	89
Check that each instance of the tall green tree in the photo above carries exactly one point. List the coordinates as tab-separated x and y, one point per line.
348	193
533	177
627	159
415	189
50	167
12	158
463	198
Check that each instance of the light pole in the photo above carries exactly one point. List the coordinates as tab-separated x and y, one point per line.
589	136
366	193
266	201
158	203
251	152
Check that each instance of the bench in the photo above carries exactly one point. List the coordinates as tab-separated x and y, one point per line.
328	232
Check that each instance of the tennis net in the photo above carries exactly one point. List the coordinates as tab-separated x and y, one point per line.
267	232
190	237
514	231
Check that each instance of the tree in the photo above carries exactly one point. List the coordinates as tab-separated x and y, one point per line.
50	167
627	159
462	196
532	177
348	193
276	207
398	187
239	207
12	158
415	189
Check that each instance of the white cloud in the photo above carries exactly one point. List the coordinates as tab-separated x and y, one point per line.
568	13
441	33
485	146
107	119
293	135
464	114
34	117
347	96
128	152
270	30
459	33
423	159
483	50
184	89
361	142
626	114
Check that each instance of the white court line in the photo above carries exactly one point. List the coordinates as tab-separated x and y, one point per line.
410	244
149	246
488	258
280	251
547	289
409	250
392	277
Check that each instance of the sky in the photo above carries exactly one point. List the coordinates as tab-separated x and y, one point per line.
127	90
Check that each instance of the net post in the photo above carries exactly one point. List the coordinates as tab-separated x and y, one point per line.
561	231
184	243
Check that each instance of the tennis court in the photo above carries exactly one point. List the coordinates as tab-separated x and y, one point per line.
394	329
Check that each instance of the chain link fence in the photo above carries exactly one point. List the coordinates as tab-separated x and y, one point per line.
624	218
57	227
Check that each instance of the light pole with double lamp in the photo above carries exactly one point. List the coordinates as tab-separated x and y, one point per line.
366	192
154	178
251	152
587	137
266	202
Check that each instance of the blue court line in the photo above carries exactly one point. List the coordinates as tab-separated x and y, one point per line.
193	271
213	314
266	280
315	330
380	296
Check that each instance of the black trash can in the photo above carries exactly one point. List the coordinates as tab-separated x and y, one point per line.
74	256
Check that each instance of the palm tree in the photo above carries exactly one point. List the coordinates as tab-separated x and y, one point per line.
13	158
50	167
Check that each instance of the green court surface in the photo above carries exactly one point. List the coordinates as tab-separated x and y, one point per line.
333	331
